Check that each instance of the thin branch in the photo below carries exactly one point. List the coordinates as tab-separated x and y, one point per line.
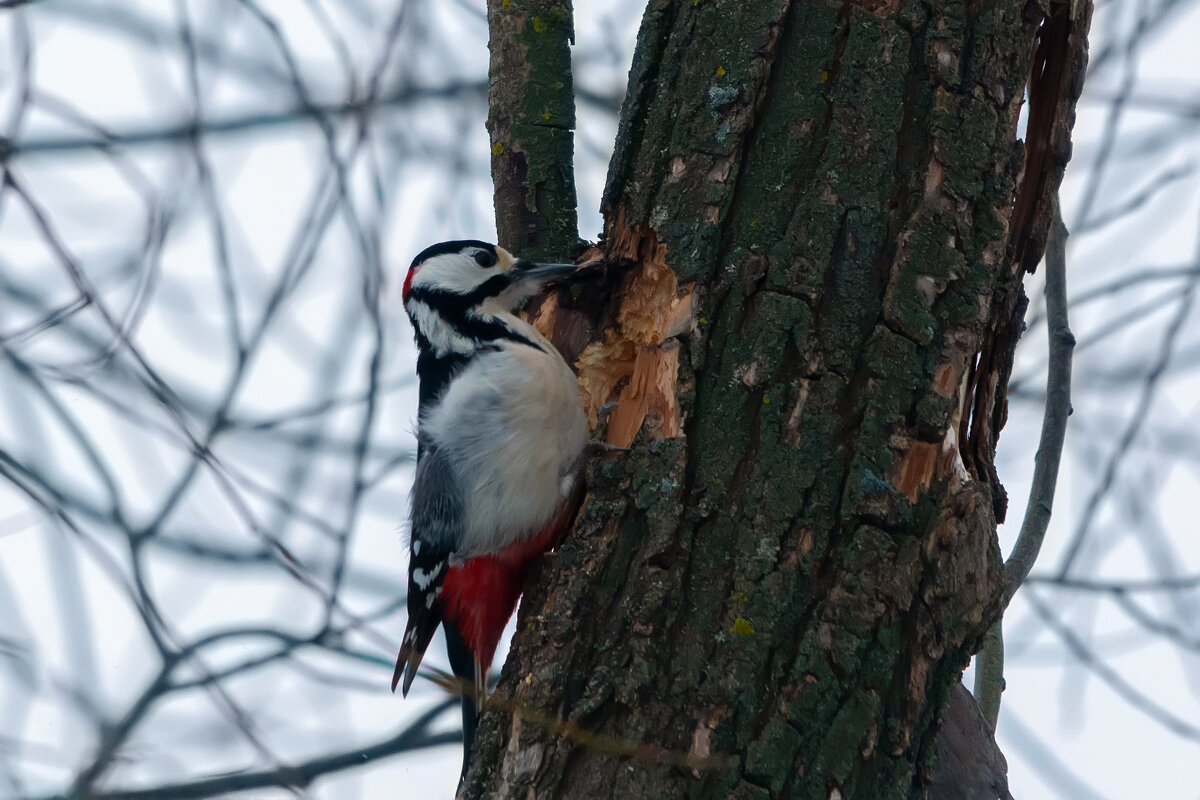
1127	690
1137	420
193	129
1129	586
1054	420
989	675
415	736
208	128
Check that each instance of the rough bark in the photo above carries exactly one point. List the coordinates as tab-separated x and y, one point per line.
775	591
531	116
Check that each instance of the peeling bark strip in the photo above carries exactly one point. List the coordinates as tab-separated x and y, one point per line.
788	571
1056	80
531	116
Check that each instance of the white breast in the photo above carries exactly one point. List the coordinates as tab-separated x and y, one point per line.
513	425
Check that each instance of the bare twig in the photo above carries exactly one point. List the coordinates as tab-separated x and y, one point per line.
1141	414
414	736
989	663
1128	586
1054	421
1126	689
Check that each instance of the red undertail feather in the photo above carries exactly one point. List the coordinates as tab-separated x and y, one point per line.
480	594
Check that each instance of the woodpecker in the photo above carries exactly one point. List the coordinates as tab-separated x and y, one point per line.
500	441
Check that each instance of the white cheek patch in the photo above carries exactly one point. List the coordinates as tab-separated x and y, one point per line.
442	338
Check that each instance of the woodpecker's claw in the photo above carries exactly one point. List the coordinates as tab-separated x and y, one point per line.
603	448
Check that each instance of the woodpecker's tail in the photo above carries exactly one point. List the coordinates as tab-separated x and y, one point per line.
473	677
427	568
420	629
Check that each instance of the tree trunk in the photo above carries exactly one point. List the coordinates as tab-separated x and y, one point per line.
531	113
775	591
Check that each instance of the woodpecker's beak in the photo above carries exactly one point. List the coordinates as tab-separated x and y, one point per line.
542	273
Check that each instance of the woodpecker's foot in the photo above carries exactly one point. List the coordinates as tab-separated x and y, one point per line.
602	417
597	447
604	448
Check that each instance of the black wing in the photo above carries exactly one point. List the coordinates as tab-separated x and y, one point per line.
436	532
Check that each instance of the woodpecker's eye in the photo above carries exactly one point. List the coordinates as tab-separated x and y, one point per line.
485	259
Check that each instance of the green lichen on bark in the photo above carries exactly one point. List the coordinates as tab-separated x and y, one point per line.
531	118
787	593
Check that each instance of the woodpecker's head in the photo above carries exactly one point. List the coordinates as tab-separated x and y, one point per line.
454	291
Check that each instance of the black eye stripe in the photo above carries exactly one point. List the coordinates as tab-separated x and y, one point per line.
485	259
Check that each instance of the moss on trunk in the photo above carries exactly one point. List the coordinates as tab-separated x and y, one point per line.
531	116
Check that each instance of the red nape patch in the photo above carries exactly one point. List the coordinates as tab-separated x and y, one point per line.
480	594
408	279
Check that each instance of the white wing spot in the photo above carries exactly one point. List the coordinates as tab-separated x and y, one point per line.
422	578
